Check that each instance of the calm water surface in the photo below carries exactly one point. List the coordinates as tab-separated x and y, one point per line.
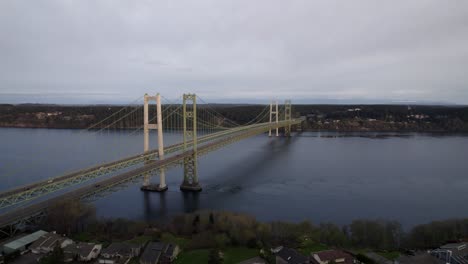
412	178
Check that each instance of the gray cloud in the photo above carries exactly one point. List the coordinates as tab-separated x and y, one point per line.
234	50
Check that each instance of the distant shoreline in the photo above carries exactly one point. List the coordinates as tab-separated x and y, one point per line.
318	118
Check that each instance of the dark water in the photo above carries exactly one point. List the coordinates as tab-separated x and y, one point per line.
412	178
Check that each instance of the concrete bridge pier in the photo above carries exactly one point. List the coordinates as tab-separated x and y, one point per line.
190	182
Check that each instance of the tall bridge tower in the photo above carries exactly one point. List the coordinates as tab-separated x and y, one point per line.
190	182
287	117
146	129
273	112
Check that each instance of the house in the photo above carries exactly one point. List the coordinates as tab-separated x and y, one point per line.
453	253
22	243
286	255
158	252
419	258
47	242
82	251
116	252
326	256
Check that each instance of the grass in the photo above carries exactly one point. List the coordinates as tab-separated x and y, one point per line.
139	239
83	237
390	255
232	255
193	256
309	246
237	254
180	241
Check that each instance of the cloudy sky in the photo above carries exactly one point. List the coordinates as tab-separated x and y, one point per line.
88	51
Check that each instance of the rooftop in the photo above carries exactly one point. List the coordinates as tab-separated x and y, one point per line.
48	240
459	246
328	255
82	249
25	240
291	256
120	248
152	252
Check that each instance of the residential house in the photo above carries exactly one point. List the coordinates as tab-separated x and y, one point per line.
326	256
286	255
47	242
82	251
120	252
158	252
22	243
453	253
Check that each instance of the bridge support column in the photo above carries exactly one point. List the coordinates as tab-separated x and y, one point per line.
190	182
161	187
275	113
287	117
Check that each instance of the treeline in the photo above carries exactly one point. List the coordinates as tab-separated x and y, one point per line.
221	229
417	118
319	117
59	116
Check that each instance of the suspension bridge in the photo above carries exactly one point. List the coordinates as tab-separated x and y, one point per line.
202	129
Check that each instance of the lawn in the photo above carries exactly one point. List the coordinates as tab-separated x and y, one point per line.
83	237
180	241
238	254
390	255
193	256
139	239
231	255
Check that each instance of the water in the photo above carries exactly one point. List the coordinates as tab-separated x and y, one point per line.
412	178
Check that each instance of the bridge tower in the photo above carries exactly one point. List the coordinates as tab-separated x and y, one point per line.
161	187
287	117
190	183
275	114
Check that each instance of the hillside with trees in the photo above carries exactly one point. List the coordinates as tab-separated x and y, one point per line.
397	118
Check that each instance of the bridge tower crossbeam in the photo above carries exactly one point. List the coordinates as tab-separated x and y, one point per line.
190	182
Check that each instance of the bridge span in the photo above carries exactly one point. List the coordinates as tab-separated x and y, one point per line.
152	162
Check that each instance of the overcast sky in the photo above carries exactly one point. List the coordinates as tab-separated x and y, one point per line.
89	51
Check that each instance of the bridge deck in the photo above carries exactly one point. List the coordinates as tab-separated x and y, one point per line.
15	215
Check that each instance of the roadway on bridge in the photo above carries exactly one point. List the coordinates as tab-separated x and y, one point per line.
16	215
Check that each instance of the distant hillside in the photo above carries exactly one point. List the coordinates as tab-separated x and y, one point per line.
418	118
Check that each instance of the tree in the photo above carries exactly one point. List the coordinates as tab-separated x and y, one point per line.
69	217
